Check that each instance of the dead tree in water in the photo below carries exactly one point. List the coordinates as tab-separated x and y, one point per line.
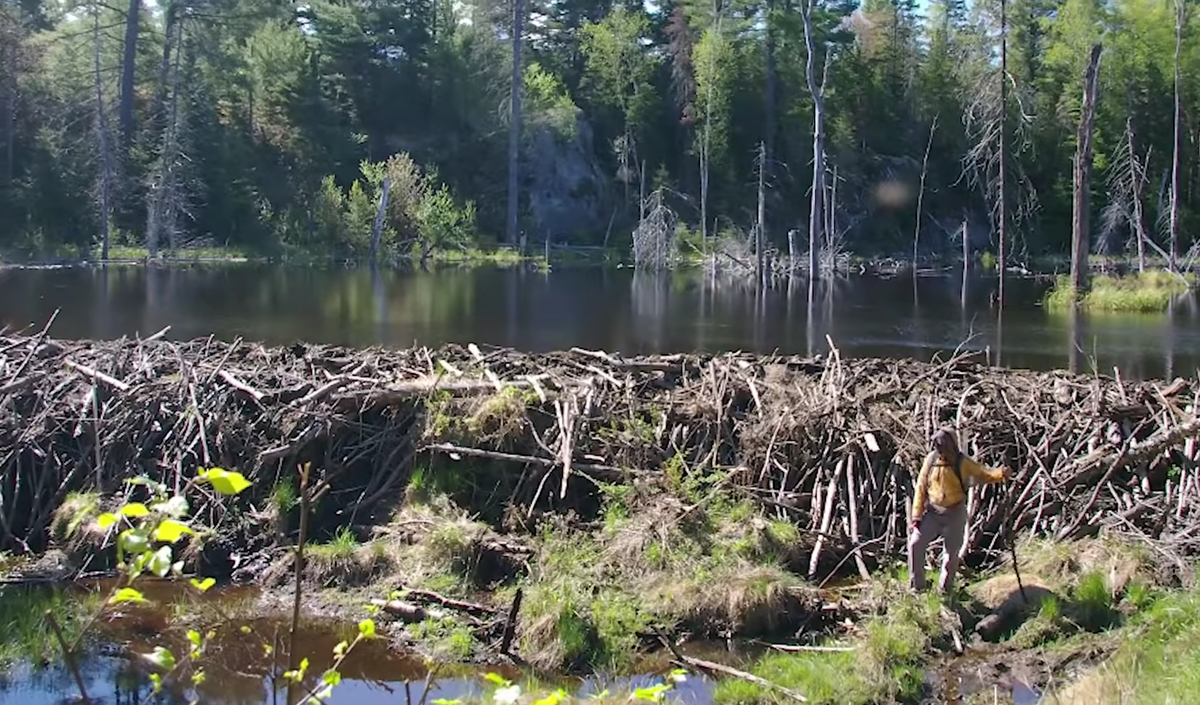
1126	181
1083	173
921	191
654	238
818	96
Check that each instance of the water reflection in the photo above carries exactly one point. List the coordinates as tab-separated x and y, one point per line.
621	310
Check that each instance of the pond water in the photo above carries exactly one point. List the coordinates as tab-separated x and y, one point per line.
237	668
601	308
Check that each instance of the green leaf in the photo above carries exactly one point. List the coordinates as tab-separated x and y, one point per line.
552	699
198	677
171	531
161	657
132	541
134	510
156	681
160	562
126	595
340	650
226	482
194	637
331	678
444	701
244	629
204	585
366	629
497	679
106	520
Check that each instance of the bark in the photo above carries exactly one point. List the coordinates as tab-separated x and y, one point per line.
1002	215
921	191
377	230
164	68
760	234
104	182
1173	245
708	106
514	127
128	63
1081	205
818	96
770	94
1136	171
165	196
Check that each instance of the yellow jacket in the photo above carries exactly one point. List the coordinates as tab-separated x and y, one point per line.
938	484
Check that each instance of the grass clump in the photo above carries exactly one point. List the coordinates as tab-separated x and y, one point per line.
343	560
445	639
1142	292
884	665
23	629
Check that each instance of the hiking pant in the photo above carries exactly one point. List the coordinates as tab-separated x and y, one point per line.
950	523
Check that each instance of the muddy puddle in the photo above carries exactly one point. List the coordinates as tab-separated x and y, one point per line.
239	657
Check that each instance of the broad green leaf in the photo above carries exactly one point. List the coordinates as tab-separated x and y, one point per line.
171	531
204	585
678	675
366	628
244	629
497	679
552	699
194	637
132	541
160	561
126	595
106	520
198	677
161	657
331	678
226	482
134	510
340	650
156	681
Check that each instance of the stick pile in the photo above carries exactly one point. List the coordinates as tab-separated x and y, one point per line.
831	444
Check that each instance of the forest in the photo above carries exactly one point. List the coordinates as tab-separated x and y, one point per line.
882	127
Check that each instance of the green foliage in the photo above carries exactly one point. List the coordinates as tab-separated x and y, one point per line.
1144	292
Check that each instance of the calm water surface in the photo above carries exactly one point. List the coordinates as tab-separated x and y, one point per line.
610	309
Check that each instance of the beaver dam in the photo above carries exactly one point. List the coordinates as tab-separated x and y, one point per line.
628	497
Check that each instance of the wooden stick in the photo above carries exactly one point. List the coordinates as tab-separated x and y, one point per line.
97	375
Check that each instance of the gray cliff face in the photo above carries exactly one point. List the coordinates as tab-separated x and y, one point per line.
567	189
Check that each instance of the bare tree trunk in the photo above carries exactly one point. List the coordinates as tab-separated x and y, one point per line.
128	63
165	194
514	126
8	60
818	96
760	239
1001	206
770	94
1136	172
705	140
1173	246
921	191
103	149
164	68
1080	212
377	230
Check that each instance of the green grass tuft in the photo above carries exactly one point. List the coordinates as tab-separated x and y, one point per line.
1145	292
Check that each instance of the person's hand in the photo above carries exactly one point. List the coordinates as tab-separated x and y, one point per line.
915	524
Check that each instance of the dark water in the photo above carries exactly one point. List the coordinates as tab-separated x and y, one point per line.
611	309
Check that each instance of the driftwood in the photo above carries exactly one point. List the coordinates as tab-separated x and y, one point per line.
830	444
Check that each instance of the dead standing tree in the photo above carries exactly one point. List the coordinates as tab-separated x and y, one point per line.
170	190
817	91
1126	181
1083	173
654	238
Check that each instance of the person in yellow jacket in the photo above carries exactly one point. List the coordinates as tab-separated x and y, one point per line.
940	508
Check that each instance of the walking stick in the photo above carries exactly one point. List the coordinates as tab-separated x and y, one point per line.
1012	542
